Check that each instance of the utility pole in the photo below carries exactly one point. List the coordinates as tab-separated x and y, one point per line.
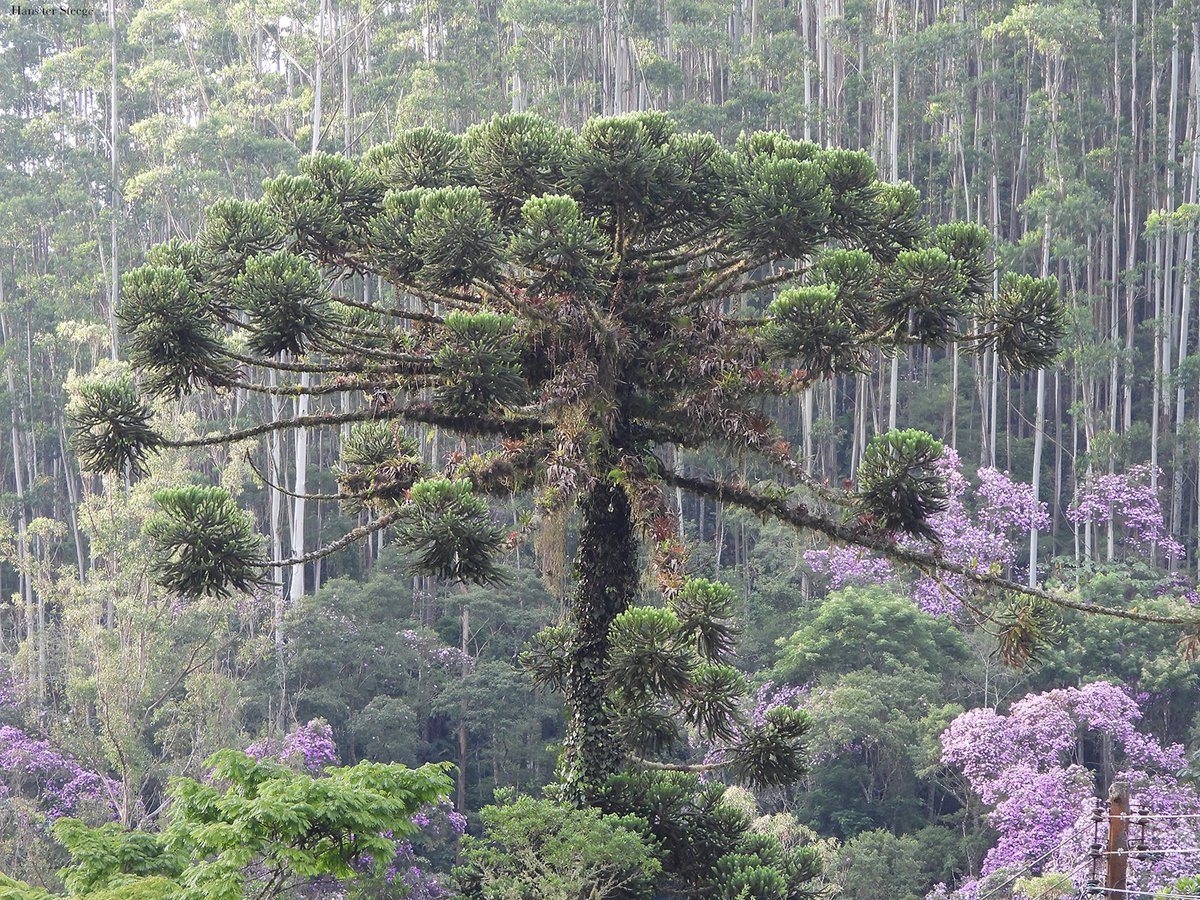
1116	875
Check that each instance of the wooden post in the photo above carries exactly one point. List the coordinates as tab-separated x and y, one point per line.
1116	878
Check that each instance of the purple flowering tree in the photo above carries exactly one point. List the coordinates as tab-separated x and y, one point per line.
1127	503
982	536
309	748
31	768
1038	769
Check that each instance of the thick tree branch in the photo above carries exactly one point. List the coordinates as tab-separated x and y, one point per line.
421	413
396	312
801	517
355	534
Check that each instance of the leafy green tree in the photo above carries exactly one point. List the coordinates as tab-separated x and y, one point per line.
711	844
580	298
871	627
880	864
540	849
876	735
256	828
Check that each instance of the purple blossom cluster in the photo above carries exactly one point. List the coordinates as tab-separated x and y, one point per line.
407	868
310	748
849	566
441	819
1004	511
31	767
771	696
1028	768
1126	499
433	654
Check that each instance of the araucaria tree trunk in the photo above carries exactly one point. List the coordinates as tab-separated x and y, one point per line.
607	570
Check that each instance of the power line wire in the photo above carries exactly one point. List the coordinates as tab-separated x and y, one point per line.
1054	887
1072	835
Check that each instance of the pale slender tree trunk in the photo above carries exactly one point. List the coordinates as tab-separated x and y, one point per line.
114	293
24	579
296	588
1039	427
275	451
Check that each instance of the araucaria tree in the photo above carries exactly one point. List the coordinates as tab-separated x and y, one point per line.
575	303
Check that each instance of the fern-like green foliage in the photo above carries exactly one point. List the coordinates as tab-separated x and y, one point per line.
204	543
451	531
772	753
968	245
705	612
110	428
899	487
457	237
647	657
713	706
922	296
516	157
420	158
784	206
854	277
174	335
391	232
809	326
558	244
854	189
896	223
234	231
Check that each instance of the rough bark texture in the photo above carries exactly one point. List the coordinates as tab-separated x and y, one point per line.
607	570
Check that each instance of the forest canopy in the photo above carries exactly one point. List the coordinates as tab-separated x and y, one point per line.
693	449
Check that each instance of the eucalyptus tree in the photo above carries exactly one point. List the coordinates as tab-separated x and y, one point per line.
574	303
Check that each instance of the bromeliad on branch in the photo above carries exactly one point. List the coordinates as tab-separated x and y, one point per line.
581	299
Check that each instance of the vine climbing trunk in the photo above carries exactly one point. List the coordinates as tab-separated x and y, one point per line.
607	569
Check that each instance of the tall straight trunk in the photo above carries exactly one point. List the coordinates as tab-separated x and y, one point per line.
1039	434
275	451
296	588
462	723
1039	426
607	562
114	290
24	580
894	152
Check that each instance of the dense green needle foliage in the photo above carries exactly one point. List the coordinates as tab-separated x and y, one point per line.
206	545
898	489
583	298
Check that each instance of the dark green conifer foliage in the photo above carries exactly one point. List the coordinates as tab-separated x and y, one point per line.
112	431
206	545
578	300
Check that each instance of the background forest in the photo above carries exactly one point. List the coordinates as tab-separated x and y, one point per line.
1070	130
